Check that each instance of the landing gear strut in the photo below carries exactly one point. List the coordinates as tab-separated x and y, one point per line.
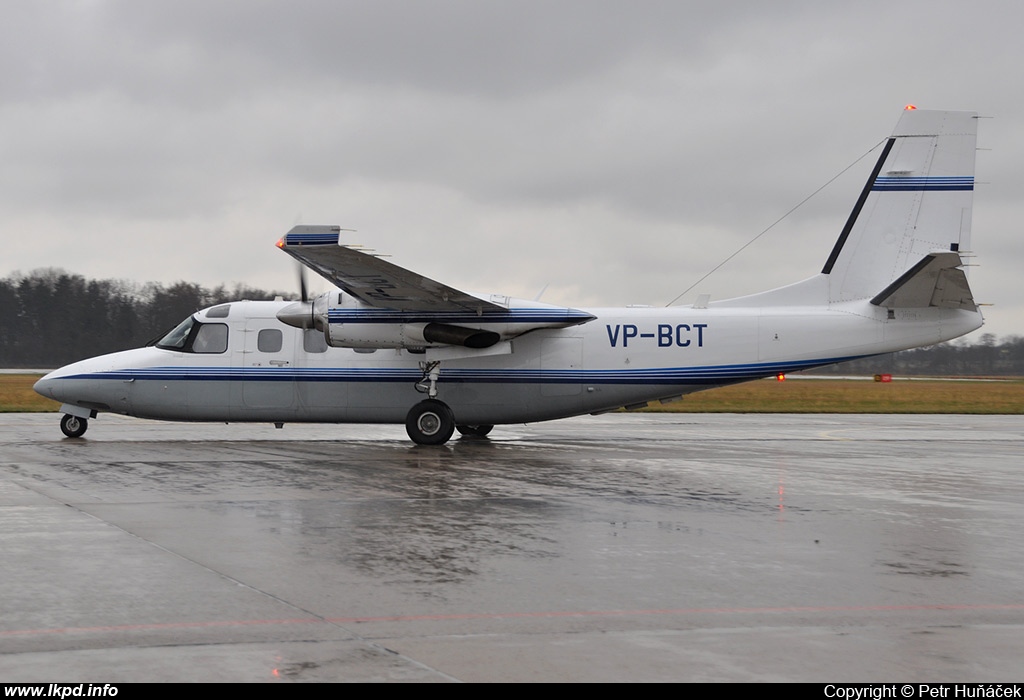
428	385
430	422
73	426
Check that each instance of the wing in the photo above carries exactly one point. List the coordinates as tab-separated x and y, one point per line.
372	280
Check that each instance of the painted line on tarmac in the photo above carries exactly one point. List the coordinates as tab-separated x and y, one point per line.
506	616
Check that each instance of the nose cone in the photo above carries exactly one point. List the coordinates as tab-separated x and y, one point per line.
50	387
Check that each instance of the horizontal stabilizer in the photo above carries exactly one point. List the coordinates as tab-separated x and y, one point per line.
936	280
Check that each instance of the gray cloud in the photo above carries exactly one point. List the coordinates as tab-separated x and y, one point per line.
616	150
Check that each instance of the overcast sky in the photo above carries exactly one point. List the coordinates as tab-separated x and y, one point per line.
614	151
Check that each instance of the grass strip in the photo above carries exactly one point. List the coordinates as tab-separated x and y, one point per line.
763	396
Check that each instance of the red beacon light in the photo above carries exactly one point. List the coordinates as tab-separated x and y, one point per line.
910	107
780	377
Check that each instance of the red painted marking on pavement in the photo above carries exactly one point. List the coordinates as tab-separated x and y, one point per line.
673	611
160	626
157	626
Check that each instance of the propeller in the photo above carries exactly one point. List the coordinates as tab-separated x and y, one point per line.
303	287
299	314
302	313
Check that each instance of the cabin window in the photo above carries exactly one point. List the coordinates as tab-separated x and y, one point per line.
313	341
269	340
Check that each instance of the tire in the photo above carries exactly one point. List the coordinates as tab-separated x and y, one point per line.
73	426
430	422
475	430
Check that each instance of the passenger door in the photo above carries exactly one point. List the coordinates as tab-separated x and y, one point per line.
267	358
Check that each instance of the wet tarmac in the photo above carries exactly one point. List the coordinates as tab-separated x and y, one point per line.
632	547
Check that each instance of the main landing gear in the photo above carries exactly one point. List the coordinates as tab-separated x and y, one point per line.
73	426
431	422
474	430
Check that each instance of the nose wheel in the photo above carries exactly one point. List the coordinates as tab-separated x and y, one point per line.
430	422
73	426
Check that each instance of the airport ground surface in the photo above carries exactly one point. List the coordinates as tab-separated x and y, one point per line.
626	547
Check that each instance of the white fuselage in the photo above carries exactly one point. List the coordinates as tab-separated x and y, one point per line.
893	280
624	357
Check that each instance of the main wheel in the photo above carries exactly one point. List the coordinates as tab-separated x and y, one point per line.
73	426
430	422
474	430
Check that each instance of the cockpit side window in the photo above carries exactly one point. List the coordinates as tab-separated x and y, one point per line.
192	336
211	338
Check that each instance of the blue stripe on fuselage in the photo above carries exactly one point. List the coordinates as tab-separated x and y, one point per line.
659	375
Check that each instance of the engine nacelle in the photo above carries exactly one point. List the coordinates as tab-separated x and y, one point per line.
376	331
406	335
347	322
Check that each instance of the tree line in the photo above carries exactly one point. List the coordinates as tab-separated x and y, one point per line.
985	357
50	317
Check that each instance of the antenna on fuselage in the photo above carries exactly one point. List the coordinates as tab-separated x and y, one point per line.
776	222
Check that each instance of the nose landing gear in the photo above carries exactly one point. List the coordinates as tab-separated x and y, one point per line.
73	426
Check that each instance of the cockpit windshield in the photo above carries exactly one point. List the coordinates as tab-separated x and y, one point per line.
192	336
176	339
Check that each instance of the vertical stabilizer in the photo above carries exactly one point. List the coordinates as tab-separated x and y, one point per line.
916	202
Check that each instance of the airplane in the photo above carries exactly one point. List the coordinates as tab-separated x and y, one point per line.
388	345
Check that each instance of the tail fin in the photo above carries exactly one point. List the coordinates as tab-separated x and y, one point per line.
916	202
